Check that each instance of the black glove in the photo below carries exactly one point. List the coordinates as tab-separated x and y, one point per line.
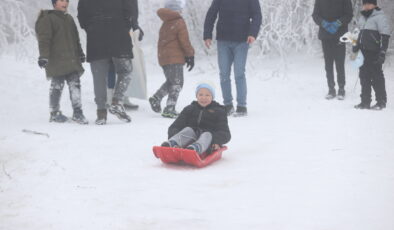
42	62
355	49
141	35
381	57
83	58
189	62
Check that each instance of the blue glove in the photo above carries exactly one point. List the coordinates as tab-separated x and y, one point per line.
335	26
326	25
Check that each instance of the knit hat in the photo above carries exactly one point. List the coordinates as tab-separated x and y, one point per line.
375	2
176	5
206	86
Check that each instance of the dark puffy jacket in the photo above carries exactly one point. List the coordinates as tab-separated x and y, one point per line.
212	118
107	25
238	19
374	31
332	10
58	41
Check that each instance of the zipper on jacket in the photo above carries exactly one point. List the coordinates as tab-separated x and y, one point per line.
199	117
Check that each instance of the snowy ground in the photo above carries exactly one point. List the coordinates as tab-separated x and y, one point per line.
297	162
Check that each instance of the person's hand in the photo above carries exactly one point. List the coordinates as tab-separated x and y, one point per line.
208	43
189	62
251	39
215	147
42	62
381	57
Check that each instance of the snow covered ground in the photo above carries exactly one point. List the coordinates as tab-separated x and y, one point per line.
297	162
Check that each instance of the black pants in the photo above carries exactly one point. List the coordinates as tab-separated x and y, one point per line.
173	84
334	51
371	75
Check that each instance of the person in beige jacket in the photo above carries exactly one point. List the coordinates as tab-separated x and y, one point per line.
174	50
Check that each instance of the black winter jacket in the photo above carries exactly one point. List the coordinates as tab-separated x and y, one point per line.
332	10
107	25
212	118
238	19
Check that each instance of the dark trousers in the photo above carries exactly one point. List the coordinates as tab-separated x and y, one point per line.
334	52
371	75
173	84
56	89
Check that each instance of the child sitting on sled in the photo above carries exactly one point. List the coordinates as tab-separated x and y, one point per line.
201	126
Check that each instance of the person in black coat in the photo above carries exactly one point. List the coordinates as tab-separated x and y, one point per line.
107	25
333	18
202	125
237	27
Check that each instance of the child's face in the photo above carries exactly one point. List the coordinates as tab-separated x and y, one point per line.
61	5
204	97
368	6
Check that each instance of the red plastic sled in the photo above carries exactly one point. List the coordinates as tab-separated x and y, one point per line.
178	155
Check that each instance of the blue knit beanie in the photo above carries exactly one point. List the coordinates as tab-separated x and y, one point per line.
206	86
176	5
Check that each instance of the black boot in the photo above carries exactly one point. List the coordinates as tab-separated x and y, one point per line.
229	109
331	94
341	94
101	117
79	117
241	111
155	104
58	117
379	106
363	105
169	112
119	111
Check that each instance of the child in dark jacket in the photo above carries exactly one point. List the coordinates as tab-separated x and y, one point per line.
61	55
373	42
202	125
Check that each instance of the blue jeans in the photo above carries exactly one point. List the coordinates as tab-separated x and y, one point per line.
228	53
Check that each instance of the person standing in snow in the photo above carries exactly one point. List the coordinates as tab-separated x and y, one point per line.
107	25
201	126
174	50
112	73
373	41
333	18
237	27
61	55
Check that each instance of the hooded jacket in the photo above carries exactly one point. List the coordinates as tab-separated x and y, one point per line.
58	41
174	43
212	118
374	31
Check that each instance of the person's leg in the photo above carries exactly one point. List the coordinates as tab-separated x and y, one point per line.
111	80
165	87
184	138
100	70
55	93
225	61
174	74
365	81
123	69
74	87
329	66
203	143
240	57
340	54
379	86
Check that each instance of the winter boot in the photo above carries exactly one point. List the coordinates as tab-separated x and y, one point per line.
79	117
101	117
379	106
128	105
229	109
241	111
169	112
119	111
58	117
341	94
195	147
363	105
155	104
331	94
170	143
